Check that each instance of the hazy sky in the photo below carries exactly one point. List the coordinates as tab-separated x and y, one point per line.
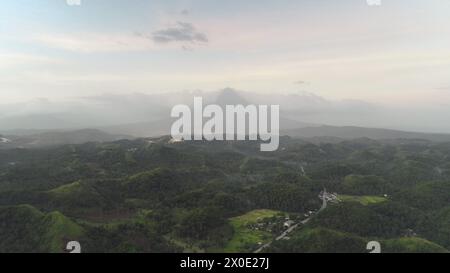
396	54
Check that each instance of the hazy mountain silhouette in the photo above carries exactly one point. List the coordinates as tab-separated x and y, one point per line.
230	96
54	138
353	132
156	120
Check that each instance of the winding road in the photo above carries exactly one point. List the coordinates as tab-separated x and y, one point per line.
295	226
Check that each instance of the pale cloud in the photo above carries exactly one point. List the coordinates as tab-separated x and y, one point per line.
375	57
10	60
301	82
95	42
180	32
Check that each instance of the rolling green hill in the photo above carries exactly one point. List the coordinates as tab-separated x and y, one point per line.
151	195
322	240
412	245
26	229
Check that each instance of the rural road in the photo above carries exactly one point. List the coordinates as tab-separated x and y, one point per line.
294	227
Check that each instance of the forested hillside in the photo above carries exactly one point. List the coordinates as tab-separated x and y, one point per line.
150	195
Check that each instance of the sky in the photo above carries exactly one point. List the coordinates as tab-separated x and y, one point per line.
396	54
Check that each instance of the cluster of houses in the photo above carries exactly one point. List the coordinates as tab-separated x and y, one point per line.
173	141
288	223
309	213
274	224
4	140
265	225
329	197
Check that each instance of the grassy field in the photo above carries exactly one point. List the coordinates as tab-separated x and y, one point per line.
245	238
67	189
412	245
364	200
59	230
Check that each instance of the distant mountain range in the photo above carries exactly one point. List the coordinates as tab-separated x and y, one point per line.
162	127
352	132
318	134
55	138
40	130
149	114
